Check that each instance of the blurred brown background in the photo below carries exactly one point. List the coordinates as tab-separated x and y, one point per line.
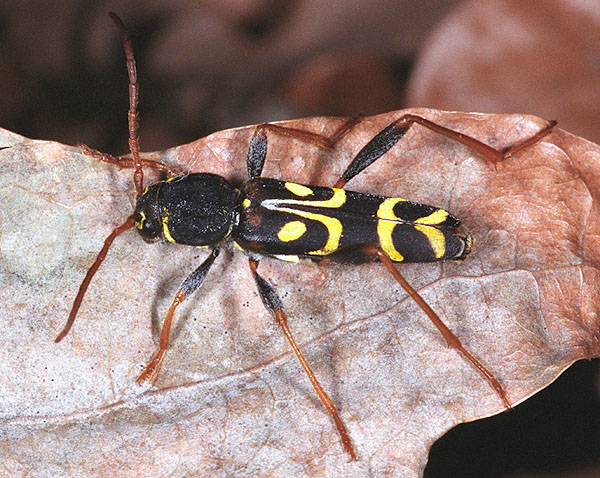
207	65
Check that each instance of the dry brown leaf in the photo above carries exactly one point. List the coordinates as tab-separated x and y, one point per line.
515	55
231	400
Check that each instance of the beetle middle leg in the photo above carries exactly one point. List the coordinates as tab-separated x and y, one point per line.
257	151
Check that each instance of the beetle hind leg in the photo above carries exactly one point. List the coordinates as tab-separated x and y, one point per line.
383	141
451	339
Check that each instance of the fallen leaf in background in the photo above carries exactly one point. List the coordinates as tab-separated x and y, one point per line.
507	56
231	400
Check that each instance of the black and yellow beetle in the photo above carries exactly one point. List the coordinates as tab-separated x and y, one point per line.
289	221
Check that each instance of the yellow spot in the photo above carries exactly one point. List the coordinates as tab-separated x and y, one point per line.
299	189
436	217
165	219
468	243
287	258
140	224
386	226
436	239
333	225
246	203
291	231
237	246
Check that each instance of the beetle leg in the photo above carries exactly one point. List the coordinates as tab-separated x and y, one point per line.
192	283
257	151
451	339
389	136
274	305
124	163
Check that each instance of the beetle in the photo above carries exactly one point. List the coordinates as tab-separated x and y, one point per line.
271	218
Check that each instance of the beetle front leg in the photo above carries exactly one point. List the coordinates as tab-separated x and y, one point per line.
191	284
127	163
257	151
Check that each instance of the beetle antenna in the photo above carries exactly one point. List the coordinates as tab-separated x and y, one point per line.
128	224
132	115
138	175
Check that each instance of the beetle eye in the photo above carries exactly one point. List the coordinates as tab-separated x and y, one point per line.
140	220
147	217
146	226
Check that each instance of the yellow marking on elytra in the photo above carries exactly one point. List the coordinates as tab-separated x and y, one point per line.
282	257
165	220
334	228
337	200
386	208
333	225
435	237
436	217
246	203
298	189
386	226
140	224
237	246
291	231
384	231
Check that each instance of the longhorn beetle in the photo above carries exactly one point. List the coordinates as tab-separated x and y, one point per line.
272	218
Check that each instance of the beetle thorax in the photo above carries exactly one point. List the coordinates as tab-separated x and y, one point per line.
197	210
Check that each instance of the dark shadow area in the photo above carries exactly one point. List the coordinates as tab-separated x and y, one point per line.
556	430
